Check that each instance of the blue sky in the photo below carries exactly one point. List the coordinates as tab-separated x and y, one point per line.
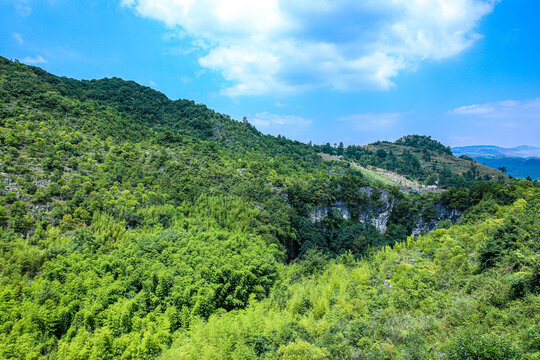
463	71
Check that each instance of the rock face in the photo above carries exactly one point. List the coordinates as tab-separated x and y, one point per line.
342	210
376	213
378	210
321	213
442	212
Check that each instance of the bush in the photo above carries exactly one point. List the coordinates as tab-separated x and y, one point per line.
488	347
301	350
444	224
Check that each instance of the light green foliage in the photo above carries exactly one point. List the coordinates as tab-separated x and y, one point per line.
112	285
425	299
301	350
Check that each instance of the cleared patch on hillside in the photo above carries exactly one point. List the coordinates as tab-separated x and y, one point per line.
385	176
436	161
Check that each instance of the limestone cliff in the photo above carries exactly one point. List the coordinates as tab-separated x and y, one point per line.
378	210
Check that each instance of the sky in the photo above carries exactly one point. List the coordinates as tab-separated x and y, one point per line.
462	71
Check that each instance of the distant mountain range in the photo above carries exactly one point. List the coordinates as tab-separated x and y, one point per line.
519	161
524	151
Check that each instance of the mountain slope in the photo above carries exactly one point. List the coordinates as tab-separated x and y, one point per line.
469	292
420	158
126	218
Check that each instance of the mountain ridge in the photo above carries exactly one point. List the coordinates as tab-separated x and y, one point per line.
522	151
520	161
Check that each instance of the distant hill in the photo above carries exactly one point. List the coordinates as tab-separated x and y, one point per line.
519	161
419	158
524	151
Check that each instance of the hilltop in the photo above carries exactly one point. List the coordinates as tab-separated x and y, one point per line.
420	158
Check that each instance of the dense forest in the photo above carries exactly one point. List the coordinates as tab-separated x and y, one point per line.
137	227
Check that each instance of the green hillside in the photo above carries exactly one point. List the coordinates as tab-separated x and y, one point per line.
420	158
129	220
469	292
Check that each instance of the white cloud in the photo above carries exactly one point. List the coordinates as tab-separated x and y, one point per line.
505	123
34	60
186	79
269	46
383	121
474	110
266	120
508	109
18	37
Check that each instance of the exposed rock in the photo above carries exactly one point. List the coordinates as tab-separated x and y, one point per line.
377	214
379	221
342	209
318	214
379	210
442	212
38	209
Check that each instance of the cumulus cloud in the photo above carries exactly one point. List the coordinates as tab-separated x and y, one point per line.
508	109
372	121
268	46
34	60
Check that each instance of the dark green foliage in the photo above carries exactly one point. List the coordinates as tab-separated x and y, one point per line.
518	232
424	142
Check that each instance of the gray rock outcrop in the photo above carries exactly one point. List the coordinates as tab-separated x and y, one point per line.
378	210
442	212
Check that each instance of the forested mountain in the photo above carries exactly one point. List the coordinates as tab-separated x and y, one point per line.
420	158
129	220
469	292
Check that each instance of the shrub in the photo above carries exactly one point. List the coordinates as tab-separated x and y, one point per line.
301	350
487	347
